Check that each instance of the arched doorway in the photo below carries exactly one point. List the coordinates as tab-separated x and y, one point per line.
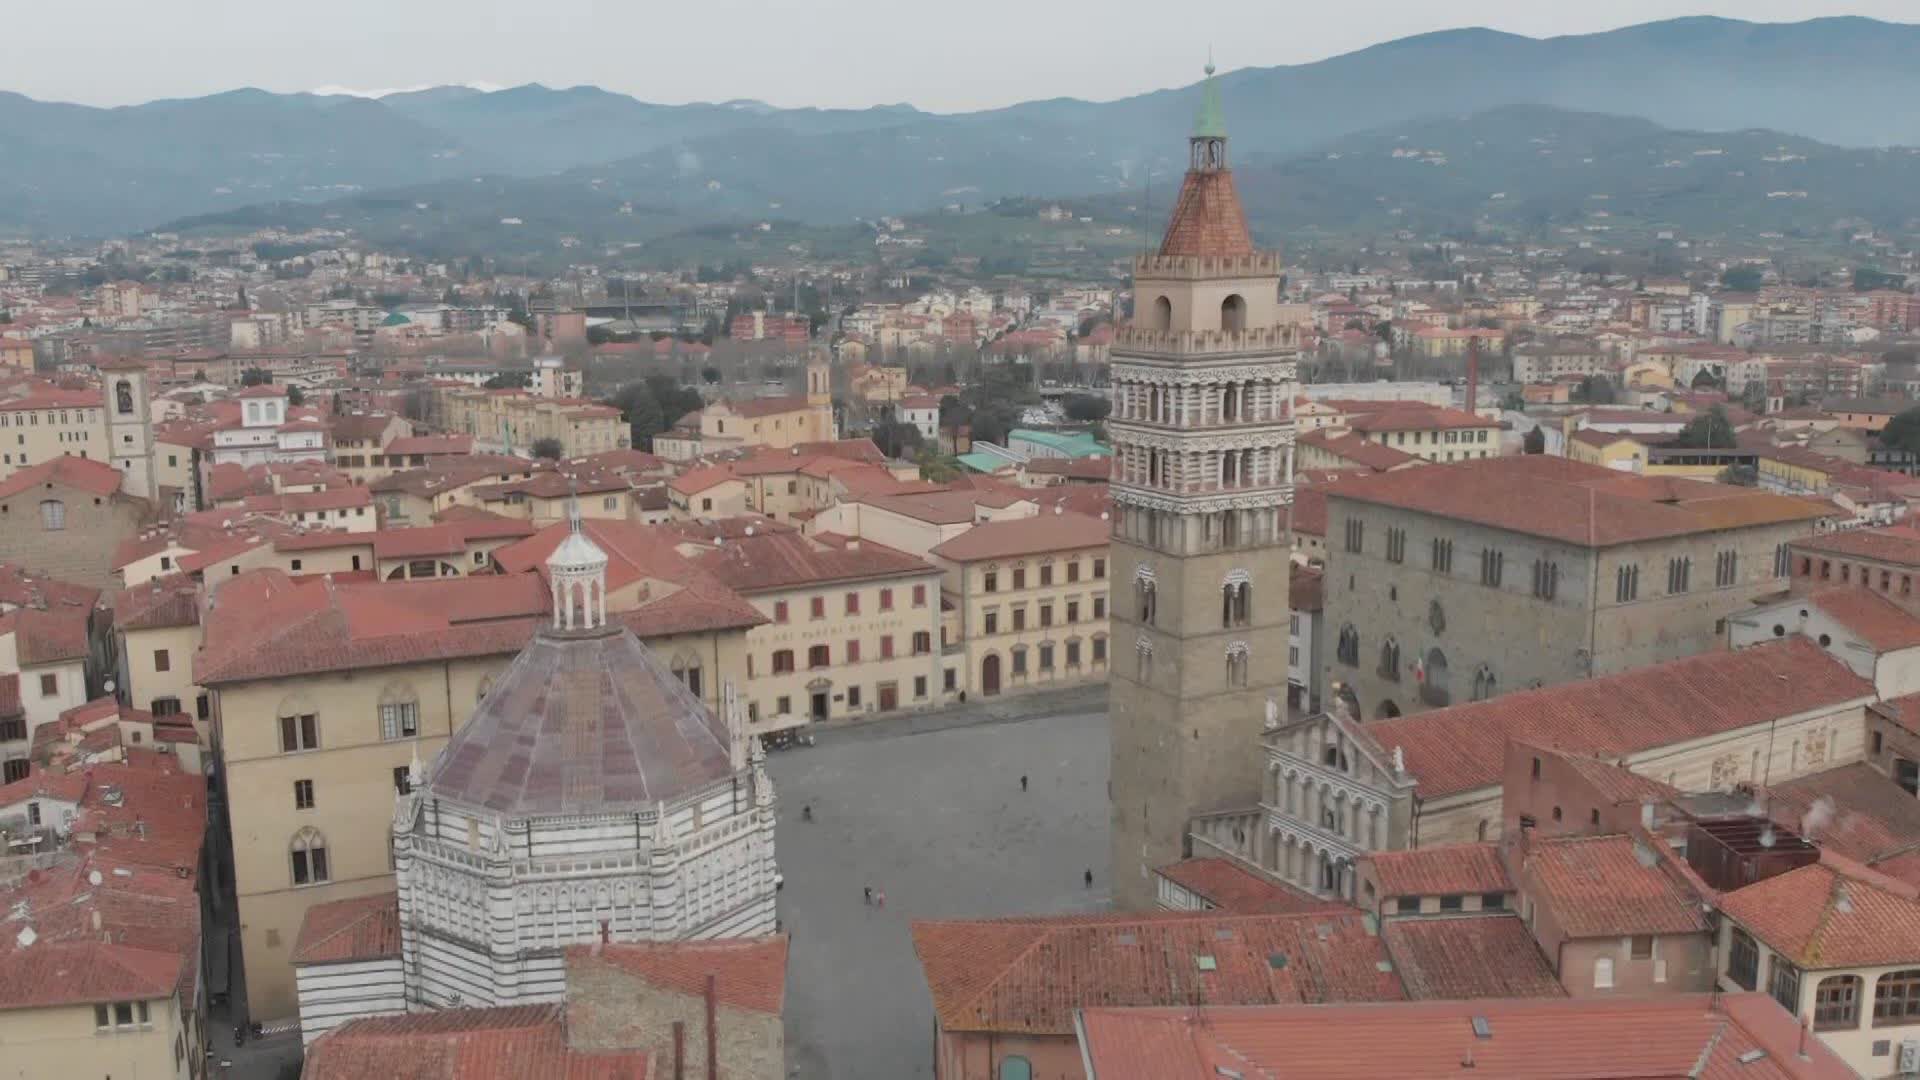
990	674
1233	313
1387	710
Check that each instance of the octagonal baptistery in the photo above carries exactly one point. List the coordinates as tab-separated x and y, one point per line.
592	797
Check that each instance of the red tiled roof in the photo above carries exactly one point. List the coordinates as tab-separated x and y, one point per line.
424	540
1469	956
1234	889
1820	917
749	973
1418	418
262	625
1373	456
431	444
169	601
1575	503
1030	975
1865	815
1614	783
1448	869
953	506
785	559
1875	620
84	474
699	480
1598	886
1666	1037
1026	536
1461	748
342	931
521	1042
1897	544
47	637
22	587
1207	218
637	552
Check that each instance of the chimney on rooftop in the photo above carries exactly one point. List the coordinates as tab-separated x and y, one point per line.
713	1027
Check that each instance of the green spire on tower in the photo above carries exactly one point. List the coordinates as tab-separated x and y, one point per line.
1211	121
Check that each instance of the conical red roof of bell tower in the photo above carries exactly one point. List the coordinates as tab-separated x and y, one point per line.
1207	218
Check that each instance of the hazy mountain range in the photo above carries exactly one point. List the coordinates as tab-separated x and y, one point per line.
73	169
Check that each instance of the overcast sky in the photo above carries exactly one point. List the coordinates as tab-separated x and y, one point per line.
944	56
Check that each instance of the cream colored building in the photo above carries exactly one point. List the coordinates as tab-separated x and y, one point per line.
323	694
1031	600
512	421
48	423
158	626
1438	435
853	628
774	423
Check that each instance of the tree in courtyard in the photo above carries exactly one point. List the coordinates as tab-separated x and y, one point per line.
1086	408
255	376
896	439
1903	431
548	448
296	397
1708	431
1534	442
1742	278
1595	390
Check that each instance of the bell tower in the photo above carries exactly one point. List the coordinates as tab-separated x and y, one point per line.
820	394
1202	427
129	422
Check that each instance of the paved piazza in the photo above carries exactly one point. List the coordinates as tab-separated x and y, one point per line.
929	812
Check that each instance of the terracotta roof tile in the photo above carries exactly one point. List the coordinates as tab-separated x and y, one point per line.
1820	917
749	973
1575	503
1865	816
782	560
1207	219
1026	536
1874	619
1598	886
522	1042
1897	544
685	597
170	601
1461	748
47	637
362	928
1445	870
1469	956
1728	1037
1373	456
1030	975
83	474
1232	888
1418	418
